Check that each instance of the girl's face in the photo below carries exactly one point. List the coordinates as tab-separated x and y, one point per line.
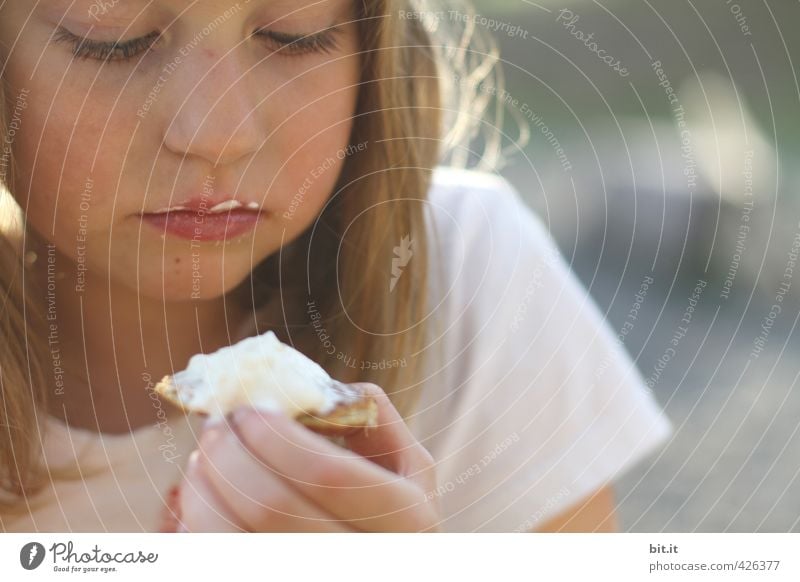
123	149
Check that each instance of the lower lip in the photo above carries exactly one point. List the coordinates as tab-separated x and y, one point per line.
204	226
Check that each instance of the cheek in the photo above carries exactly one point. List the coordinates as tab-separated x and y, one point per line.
309	177
68	158
75	154
312	148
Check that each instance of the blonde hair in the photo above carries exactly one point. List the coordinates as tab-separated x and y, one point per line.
334	286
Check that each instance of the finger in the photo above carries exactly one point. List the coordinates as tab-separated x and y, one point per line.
390	444
201	508
339	481
255	494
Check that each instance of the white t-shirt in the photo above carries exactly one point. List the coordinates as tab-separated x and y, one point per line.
536	405
533	407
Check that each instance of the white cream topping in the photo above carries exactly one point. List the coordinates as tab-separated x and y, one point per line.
169	209
258	371
225	206
217	208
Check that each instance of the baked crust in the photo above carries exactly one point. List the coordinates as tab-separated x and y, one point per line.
356	411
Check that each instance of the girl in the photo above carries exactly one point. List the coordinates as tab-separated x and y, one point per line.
189	173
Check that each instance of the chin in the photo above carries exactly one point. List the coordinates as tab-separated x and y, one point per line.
186	275
190	287
205	289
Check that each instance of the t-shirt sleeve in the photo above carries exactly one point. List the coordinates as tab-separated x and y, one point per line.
532	403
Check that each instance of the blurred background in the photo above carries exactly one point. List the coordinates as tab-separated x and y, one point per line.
671	156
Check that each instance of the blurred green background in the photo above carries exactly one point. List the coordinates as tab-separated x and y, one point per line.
624	208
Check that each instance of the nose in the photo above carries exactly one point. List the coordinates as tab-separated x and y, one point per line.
212	109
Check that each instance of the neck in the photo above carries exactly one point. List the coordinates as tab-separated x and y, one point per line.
114	344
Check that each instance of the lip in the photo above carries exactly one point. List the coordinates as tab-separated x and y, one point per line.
206	218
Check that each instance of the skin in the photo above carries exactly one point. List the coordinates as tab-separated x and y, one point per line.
234	483
594	514
378	483
254	123
233	112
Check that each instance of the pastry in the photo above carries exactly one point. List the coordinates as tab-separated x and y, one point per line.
265	373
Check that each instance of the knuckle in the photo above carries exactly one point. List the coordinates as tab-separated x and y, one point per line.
205	462
427	484
210	439
418	465
426	460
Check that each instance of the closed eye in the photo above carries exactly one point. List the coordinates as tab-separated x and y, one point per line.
115	50
324	41
284	43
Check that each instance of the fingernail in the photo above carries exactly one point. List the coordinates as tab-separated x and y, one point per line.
273	417
192	462
261	411
212	421
269	417
240	415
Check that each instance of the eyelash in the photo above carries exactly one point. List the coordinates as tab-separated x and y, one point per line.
324	41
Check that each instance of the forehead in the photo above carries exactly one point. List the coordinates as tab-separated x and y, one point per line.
125	10
119	6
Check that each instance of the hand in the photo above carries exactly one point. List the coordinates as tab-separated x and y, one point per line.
265	472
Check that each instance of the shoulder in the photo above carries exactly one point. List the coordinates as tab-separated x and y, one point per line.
470	198
533	403
485	234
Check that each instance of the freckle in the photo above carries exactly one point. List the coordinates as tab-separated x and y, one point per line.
177	260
